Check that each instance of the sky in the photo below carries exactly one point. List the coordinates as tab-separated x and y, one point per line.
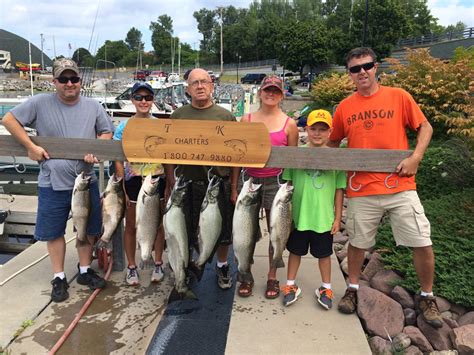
67	25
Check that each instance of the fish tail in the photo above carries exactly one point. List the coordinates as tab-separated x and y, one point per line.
177	296
277	263
147	263
104	244
245	276
196	270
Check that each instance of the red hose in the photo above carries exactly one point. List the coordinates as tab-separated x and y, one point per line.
83	310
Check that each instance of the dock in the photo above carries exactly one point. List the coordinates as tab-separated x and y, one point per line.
138	320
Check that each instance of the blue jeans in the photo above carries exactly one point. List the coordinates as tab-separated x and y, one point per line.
53	213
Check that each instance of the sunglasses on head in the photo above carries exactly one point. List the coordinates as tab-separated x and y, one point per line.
65	79
139	97
357	68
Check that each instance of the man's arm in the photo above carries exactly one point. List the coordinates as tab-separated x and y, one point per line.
333	144
409	166
170	180
234	178
91	158
35	152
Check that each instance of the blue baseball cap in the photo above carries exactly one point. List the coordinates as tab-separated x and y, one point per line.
141	85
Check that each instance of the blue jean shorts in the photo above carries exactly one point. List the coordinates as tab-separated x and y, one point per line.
53	213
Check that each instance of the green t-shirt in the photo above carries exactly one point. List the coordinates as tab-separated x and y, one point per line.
313	197
213	113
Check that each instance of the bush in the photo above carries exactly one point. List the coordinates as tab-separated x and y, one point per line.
328	91
445	168
442	89
451	218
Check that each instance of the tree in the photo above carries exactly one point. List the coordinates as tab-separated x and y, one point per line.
161	38
83	58
206	20
113	51
134	39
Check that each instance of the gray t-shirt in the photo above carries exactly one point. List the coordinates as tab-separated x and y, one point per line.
52	118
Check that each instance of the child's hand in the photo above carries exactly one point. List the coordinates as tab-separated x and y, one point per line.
336	227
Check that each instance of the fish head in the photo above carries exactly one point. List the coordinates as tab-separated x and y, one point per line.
179	192
285	193
82	181
150	185
213	189
251	193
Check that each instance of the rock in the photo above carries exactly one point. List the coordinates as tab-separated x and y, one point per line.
384	281
444	352
463	339
458	309
412	350
410	316
439	338
379	313
447	314
401	342
363	283
467	318
402	296
344	266
341	255
374	265
417	338
443	304
337	247
379	345
451	322
340	238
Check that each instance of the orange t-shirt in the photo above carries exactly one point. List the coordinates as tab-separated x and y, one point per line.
378	121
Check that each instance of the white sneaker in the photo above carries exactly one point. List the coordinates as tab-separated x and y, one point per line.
157	274
132	276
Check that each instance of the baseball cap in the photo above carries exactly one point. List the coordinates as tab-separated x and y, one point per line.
141	85
319	116
272	81
61	65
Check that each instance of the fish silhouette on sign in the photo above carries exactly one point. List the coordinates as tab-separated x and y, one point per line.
151	144
238	145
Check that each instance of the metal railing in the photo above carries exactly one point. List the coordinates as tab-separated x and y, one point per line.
468	32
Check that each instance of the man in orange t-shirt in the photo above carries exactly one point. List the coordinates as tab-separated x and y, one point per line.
376	117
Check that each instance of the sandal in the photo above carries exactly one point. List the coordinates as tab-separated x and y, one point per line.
245	289
273	289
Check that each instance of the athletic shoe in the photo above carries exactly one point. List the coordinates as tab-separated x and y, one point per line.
429	309
348	302
290	294
157	274
132	276
91	279
59	292
324	296
224	279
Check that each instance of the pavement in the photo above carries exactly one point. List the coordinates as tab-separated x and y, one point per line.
125	319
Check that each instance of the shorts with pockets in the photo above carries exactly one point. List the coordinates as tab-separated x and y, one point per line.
319	244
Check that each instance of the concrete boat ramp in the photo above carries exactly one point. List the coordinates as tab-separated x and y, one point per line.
138	320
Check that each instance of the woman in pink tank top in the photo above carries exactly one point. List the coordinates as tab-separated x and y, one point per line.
283	132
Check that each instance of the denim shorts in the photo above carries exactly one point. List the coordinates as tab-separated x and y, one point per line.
53	213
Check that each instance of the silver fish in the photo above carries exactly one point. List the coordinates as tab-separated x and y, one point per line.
81	207
280	223
210	221
148	219
245	228
176	235
113	209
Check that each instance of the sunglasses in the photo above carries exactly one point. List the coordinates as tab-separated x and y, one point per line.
138	97
357	68
65	79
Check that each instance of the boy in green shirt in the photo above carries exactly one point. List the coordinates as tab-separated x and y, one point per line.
317	210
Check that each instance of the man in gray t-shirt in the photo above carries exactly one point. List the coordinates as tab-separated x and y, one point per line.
63	114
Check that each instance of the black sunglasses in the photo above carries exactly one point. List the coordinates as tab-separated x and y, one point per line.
138	97
65	79
357	68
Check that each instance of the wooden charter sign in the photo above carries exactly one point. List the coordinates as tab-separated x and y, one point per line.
192	142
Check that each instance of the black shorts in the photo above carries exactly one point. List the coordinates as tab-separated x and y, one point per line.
132	187
319	244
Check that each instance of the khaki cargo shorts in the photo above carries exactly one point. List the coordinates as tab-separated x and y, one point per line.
410	226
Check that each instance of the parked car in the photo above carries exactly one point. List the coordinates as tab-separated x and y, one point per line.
212	75
288	75
139	75
253	78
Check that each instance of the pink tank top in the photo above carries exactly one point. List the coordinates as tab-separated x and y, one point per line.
277	138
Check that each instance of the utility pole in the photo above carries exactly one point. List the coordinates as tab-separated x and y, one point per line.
42	59
54	48
179	59
222	44
365	22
